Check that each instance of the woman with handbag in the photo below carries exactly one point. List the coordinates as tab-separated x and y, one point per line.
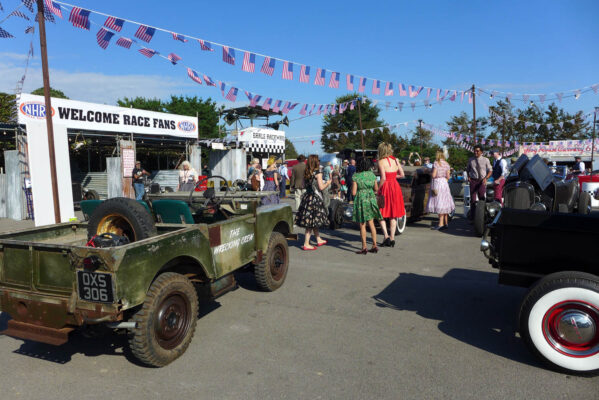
366	209
440	200
393	207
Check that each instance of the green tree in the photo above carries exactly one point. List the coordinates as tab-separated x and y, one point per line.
580	129
290	152
458	156
142	103
349	121
53	93
7	105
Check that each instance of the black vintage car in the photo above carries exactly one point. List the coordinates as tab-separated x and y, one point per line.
559	316
532	185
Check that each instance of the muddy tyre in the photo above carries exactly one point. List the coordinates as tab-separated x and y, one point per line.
270	273
166	321
559	322
123	217
479	218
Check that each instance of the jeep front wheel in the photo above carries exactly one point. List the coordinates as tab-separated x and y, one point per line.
270	273
166	322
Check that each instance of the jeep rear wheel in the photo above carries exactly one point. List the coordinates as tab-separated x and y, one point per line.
270	273
166	322
559	321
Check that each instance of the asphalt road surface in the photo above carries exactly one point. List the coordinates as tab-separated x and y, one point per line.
423	320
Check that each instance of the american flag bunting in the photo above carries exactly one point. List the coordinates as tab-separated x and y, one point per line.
277	106
148	52
222	86
287	70
312	109
194	76
114	23
268	66
209	81
350	82
376	87
54	8
249	62
18	13
320	77
103	37
362	85
248	94
304	109
179	37
124	42
334	81
389	89
145	33
173	58
286	107
305	74
254	101
402	90
205	45
267	103
79	17
30	29
228	55
428	92
232	95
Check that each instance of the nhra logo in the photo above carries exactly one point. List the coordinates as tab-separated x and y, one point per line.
34	109
186	126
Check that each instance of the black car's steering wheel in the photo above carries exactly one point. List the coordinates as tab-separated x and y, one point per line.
209	193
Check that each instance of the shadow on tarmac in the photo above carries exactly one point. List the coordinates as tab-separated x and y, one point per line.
470	306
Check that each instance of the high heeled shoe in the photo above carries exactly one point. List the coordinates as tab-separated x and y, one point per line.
386	243
363	251
392	243
374	249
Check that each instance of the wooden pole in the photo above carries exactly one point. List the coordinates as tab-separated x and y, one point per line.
361	131
474	113
48	103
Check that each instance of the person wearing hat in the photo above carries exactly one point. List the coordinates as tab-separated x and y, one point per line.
579	167
138	183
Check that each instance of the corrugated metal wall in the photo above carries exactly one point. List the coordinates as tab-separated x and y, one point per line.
97	181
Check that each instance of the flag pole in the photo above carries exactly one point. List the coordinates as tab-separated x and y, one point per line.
593	144
474	113
49	126
361	131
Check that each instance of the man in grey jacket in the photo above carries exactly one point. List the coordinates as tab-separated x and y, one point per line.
479	170
296	184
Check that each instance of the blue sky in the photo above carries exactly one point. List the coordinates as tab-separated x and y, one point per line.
512	46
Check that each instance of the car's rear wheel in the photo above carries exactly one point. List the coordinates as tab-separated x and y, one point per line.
584	203
401	225
271	272
336	214
479	217
123	217
559	321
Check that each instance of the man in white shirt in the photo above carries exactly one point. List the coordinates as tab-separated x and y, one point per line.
283	172
500	173
579	166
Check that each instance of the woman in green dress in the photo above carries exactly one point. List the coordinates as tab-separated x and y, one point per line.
366	209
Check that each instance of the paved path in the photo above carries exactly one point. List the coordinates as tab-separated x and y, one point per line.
423	320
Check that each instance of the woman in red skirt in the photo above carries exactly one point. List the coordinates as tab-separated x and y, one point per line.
390	169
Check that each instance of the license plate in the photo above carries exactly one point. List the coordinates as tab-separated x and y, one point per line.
95	286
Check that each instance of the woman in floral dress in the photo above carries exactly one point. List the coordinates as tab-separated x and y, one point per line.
312	214
440	200
366	209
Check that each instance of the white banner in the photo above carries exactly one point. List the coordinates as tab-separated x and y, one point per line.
100	117
561	148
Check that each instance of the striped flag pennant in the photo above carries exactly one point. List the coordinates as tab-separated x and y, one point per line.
222	86
114	23
145	33
400	105
267	103
228	55
254	101
286	107
124	42
453	95
288	70
304	110
194	76
352	105
268	67
4	34
103	37
362	85
320	76
179	37
79	17
389	89
428	93
30	29
209	80
205	45
305	74
376	87
595	88
27	3
414	91
248	94
560	96
334	81
173	58
292	106
249	62
542	98
277	106
525	97
232	95
319	111
18	13
461	96
350	81
402	90
148	52
53	7
334	109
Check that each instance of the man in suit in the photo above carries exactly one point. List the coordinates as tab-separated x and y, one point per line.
296	183
349	175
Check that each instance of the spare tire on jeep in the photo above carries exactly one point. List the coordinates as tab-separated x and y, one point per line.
123	217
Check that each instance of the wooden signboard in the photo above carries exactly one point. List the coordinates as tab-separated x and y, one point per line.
128	162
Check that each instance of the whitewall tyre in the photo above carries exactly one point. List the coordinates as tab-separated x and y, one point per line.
401	225
559	320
